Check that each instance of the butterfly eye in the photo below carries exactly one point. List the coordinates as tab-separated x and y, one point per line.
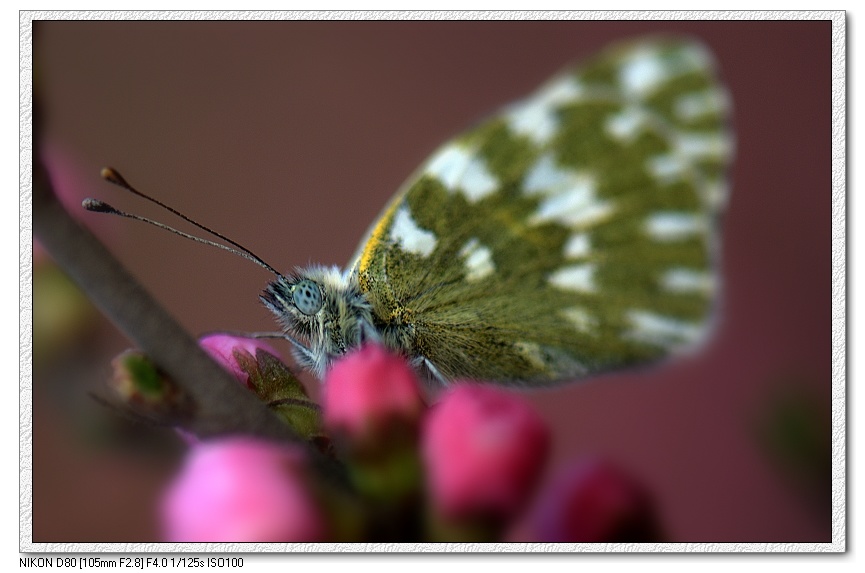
307	297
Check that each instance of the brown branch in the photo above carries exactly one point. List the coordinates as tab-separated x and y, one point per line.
221	405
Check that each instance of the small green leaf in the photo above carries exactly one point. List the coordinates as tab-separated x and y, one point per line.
140	384
282	391
143	374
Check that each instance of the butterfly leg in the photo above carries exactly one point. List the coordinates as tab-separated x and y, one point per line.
434	372
266	335
304	352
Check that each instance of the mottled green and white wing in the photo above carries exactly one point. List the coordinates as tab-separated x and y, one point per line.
572	233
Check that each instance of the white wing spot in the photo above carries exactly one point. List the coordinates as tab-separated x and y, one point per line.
668	167
580	319
560	91
658	330
690	58
626	125
689	147
535	117
461	169
534	120
577	246
716	193
674	226
577	206
682	280
545	177
448	165
700	104
569	196
578	278
407	233
477	181
642	72
647	68
545	358
478	260
700	145
532	352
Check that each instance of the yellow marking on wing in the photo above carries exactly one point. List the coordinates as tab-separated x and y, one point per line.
375	237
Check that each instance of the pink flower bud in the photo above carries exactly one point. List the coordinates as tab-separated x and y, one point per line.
369	389
257	366
594	501
242	490
484	449
221	348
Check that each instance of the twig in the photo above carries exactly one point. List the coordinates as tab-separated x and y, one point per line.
221	405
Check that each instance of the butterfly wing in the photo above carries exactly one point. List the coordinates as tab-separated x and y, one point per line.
572	233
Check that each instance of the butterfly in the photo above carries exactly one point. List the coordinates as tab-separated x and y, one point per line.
572	233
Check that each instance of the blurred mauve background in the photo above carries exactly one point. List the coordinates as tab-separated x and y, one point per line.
290	137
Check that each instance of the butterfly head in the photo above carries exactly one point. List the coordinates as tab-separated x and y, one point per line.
322	306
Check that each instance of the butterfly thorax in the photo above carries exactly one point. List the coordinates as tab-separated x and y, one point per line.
323	307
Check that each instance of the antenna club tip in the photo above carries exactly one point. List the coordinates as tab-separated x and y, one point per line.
97	206
112	176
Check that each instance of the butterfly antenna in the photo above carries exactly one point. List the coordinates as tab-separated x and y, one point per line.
112	176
